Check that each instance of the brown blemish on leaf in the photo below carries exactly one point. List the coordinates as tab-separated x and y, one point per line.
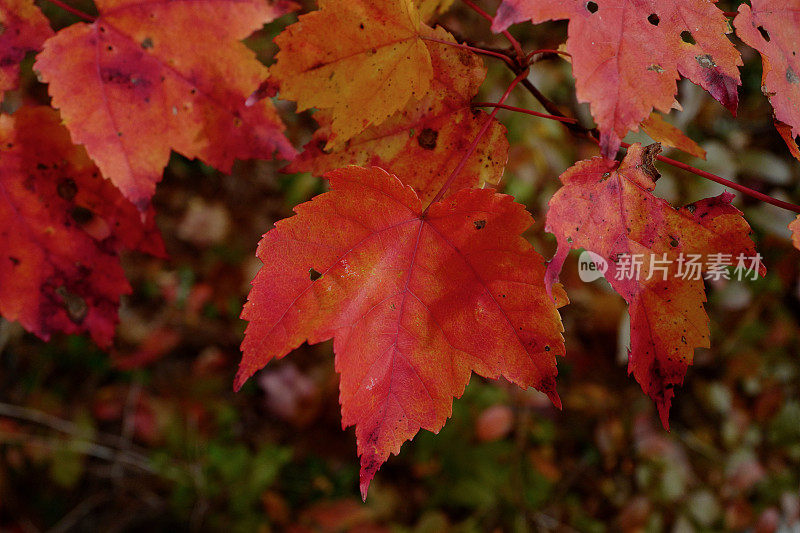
147	43
706	61
791	76
656	68
427	138
479	224
67	189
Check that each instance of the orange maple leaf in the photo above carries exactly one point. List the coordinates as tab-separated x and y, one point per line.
62	227
610	210
362	60
423	143
627	55
149	76
415	299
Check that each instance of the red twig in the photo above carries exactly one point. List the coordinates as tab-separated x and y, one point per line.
506	34
70	9
546	51
741	188
471	48
590	134
477	140
527	112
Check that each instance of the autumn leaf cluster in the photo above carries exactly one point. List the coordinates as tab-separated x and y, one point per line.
411	263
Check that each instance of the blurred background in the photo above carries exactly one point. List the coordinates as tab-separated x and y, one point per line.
151	435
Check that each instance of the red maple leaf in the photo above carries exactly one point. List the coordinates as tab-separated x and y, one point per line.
628	54
149	76
415	299
23	29
771	27
62	227
608	208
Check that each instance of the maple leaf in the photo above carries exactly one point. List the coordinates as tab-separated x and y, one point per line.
414	299
423	143
628	54
771	27
23	29
130	91
364	72
665	133
611	212
62	227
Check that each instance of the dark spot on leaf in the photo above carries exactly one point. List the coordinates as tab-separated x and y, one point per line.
479	224
67	189
147	43
546	348
313	274
673	242
687	37
361	26
764	33
81	215
13	260
653	19
691	208
427	138
591	7
706	61
656	68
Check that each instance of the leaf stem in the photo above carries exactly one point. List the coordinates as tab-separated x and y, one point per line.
741	188
478	137
472	48
515	43
526	111
74	11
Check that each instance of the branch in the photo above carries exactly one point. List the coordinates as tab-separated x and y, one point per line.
70	9
593	136
526	111
475	49
515	43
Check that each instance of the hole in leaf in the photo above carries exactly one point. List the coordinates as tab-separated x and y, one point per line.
686	36
764	33
592	7
653	19
313	274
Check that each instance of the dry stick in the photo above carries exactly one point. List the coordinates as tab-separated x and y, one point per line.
76	12
475	142
526	111
475	49
506	34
